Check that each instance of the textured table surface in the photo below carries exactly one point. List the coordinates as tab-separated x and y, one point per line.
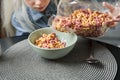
20	62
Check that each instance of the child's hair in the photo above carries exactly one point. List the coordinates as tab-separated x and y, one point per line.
7	8
6	11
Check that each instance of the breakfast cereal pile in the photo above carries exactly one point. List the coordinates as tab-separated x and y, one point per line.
84	22
49	41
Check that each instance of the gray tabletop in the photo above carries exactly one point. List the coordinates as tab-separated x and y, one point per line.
112	37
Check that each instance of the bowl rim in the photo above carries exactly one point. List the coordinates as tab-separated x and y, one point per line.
50	48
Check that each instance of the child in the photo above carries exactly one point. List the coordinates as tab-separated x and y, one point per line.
24	16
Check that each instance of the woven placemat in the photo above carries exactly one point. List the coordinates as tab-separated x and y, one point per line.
20	62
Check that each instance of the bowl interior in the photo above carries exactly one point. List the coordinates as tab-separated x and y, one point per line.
68	38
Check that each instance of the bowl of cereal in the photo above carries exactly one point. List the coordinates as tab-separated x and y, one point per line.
50	43
84	22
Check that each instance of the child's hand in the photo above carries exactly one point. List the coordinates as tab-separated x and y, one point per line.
113	11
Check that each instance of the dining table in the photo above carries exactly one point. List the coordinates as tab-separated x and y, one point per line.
8	42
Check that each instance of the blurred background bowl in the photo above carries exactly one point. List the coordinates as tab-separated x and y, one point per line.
66	8
54	53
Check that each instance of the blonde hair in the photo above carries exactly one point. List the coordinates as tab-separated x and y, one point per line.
6	11
7	8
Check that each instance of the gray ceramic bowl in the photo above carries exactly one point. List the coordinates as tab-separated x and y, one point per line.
54	53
